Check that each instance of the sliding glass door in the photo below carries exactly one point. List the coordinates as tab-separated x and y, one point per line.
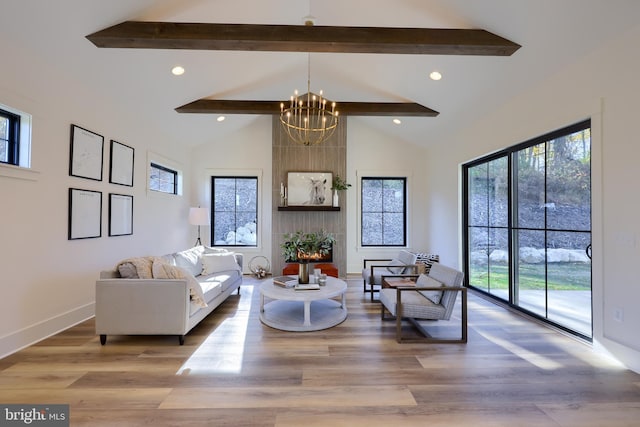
528	223
488	231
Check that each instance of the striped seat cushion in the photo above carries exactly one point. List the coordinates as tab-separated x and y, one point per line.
414	305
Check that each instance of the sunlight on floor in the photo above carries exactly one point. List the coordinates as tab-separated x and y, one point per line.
223	350
538	360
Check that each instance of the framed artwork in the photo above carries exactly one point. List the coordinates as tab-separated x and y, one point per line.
86	154
121	166
309	188
120	214
85	214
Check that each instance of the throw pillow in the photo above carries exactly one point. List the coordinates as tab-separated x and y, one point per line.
427	260
210	250
217	262
396	270
162	270
426	281
127	270
190	260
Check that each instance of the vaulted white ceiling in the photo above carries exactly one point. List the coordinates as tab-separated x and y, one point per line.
552	34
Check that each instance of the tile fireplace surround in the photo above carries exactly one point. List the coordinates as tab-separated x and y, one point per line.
288	156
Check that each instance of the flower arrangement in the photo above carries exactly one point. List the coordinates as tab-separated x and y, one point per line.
339	183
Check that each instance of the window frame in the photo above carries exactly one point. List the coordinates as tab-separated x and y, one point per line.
405	212
513	227
163	168
212	210
13	138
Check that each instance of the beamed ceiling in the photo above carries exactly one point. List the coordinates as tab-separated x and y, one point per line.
243	57
303	38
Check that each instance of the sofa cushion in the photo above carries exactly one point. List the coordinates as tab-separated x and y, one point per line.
190	260
407	258
211	289
426	281
225	279
162	270
217	262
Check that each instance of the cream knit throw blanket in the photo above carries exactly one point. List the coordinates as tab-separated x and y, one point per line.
143	265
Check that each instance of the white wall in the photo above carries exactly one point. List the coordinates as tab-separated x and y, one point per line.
368	152
48	281
602	86
246	152
372	153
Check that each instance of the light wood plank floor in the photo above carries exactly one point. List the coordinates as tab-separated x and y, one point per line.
234	371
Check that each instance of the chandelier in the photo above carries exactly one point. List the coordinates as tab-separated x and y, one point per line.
308	119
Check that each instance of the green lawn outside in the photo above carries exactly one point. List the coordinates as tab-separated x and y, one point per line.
561	276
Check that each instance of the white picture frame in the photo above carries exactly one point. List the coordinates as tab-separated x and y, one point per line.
309	188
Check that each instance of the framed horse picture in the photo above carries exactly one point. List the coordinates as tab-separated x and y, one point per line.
309	188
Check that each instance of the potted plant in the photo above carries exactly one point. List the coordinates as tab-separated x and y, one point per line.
303	247
338	184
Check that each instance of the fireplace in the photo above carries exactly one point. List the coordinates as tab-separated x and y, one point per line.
317	257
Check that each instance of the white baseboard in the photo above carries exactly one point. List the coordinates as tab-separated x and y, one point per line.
25	337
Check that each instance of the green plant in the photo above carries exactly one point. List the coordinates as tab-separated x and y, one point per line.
301	247
339	183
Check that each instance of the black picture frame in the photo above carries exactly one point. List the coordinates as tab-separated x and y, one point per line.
85	214
86	153
120	214
121	164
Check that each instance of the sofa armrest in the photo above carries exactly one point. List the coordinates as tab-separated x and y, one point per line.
368	260
142	306
239	260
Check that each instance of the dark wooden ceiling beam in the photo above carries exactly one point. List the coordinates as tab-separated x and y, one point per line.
302	38
223	106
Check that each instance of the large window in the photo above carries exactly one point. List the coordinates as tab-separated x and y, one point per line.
235	210
528	227
384	208
163	179
9	137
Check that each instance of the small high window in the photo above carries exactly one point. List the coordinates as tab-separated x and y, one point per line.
163	179
9	137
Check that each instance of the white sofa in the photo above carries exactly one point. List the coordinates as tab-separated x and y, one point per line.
166	295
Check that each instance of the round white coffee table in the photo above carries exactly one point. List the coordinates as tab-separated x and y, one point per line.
285	311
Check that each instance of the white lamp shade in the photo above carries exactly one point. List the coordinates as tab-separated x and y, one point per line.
199	216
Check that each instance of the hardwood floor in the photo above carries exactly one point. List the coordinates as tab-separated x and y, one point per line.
234	371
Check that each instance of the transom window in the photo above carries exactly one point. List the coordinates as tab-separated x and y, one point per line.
384	211
163	179
235	210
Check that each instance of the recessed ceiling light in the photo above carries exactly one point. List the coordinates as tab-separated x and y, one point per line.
221	118
177	70
397	121
435	75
